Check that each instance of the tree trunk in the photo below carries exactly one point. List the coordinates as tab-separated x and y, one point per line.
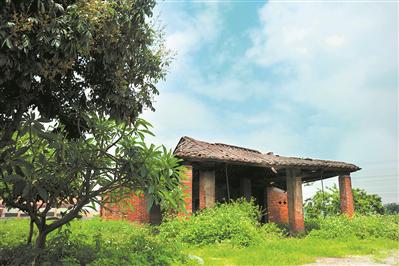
41	239
30	232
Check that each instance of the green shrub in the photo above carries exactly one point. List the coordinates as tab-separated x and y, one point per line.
141	249
328	203
272	230
93	242
18	255
235	223
312	224
359	227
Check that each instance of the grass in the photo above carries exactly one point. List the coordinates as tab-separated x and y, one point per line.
292	251
288	251
14	231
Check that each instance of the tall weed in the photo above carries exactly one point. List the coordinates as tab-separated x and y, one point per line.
359	227
235	223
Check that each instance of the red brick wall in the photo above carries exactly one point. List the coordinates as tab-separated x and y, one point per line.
346	195
139	212
277	205
187	182
136	211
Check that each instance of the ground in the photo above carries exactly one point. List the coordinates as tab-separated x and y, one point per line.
302	252
392	259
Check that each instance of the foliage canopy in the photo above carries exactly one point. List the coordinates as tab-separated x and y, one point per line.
47	170
67	57
327	203
88	69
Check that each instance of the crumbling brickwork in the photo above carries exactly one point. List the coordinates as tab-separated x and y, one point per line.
277	205
137	211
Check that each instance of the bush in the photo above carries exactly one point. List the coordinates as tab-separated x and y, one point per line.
96	242
328	203
359	227
312	223
140	249
235	223
272	230
392	208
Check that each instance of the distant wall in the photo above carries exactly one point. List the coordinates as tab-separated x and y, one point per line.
139	213
53	212
133	209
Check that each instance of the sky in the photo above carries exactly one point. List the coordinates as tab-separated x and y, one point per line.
306	79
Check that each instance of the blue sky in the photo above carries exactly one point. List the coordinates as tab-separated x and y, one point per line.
301	79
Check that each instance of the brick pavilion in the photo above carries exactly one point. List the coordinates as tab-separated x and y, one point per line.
217	172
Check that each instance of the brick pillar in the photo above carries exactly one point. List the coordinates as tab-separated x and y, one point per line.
187	183
346	196
277	205
206	189
245	188
295	201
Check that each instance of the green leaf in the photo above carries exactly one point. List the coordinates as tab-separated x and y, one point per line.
42	193
151	190
170	172
42	158
8	43
44	120
13	178
143	171
26	191
59	8
150	202
22	151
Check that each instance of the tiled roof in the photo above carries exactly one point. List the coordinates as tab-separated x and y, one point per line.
195	150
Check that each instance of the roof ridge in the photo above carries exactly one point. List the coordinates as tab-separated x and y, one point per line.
192	149
236	147
222	144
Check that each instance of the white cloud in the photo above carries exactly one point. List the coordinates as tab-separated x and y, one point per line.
179	114
187	34
319	80
341	61
335	40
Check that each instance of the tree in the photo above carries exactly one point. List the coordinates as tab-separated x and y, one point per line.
47	170
328	203
392	208
68	57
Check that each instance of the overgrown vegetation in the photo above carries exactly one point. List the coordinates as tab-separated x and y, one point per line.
228	234
392	208
235	223
47	170
327	203
359	227
93	242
